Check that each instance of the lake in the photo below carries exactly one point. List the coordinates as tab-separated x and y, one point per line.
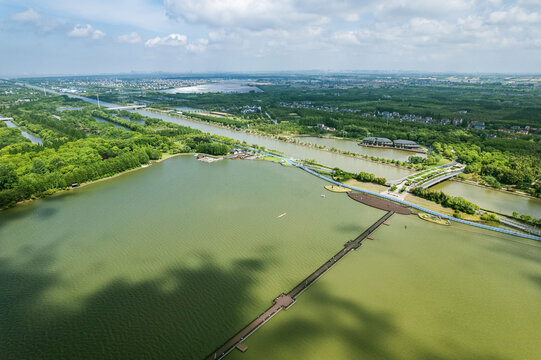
166	262
170	261
418	291
226	87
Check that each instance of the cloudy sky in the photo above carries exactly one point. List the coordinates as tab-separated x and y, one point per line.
40	37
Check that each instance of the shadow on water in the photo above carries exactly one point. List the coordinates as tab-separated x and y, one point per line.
45	213
367	334
184	314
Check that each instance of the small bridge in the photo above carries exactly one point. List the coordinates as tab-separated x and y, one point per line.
440	178
6	119
401	180
127	107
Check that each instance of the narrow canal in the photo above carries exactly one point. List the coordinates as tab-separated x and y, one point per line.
34	139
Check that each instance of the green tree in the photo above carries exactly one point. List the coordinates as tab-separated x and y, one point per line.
39	166
8	177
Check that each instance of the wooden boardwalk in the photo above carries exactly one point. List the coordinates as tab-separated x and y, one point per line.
284	301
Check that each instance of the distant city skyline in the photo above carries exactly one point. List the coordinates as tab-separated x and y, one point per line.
66	37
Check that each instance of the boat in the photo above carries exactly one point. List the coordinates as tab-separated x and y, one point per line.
281	215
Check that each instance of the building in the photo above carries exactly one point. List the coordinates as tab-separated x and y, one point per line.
377	141
479	125
324	127
406	144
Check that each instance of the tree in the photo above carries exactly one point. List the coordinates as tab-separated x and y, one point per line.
39	166
8	177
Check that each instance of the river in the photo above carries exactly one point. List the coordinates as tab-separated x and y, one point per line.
170	261
489	199
296	151
352	146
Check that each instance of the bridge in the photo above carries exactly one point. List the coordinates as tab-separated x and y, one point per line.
412	205
6	119
127	107
440	178
401	180
526	228
285	301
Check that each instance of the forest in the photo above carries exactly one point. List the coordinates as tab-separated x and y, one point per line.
77	148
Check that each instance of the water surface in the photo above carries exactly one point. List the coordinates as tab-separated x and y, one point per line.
352	146
418	291
34	139
296	151
492	199
166	262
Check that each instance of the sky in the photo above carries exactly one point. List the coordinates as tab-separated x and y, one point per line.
56	37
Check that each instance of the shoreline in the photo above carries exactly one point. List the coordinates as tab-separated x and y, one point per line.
62	191
341	152
470	182
274	137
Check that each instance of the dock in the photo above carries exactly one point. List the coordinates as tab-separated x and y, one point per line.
285	301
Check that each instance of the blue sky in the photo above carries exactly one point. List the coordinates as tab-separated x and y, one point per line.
40	37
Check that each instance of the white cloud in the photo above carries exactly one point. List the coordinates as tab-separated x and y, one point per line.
198	46
98	34
84	31
169	40
352	17
131	38
144	14
29	15
255	15
515	15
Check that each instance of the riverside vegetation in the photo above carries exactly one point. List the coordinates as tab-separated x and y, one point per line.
497	131
77	148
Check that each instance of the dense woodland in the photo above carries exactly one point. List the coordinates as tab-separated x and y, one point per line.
77	148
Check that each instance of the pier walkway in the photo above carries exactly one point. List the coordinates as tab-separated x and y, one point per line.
284	301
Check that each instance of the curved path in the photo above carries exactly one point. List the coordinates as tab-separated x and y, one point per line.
482	226
443	216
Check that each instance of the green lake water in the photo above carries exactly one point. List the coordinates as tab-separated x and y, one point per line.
486	198
418	291
165	263
170	261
